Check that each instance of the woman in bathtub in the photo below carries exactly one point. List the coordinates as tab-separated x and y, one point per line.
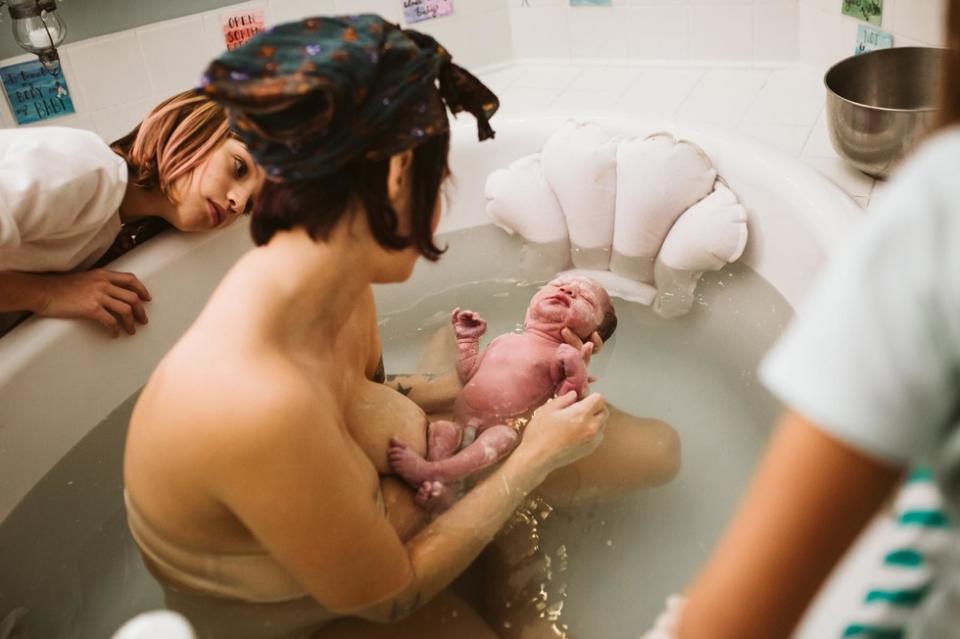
247	489
69	202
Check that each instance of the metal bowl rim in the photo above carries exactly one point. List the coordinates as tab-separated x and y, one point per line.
870	106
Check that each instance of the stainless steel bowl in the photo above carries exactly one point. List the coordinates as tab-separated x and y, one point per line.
881	104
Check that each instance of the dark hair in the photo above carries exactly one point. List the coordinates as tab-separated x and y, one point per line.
316	205
950	83
608	325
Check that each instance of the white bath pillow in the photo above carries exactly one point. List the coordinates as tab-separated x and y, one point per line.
709	235
580	164
658	178
519	200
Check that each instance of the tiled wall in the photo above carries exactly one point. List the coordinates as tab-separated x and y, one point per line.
720	32
827	36
116	79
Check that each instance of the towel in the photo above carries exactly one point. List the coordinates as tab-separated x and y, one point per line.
580	164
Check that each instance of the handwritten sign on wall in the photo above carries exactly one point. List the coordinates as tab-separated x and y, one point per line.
34	93
419	10
240	26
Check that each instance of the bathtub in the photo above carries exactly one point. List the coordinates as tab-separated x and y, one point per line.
66	389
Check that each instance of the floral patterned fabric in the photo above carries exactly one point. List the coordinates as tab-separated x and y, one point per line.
311	96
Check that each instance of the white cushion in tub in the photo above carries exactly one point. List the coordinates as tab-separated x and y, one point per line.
709	235
519	200
658	178
580	164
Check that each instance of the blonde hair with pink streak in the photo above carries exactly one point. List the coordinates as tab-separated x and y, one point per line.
172	140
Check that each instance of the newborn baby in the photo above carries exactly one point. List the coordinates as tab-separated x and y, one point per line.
503	385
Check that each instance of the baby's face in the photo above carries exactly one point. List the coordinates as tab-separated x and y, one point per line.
576	302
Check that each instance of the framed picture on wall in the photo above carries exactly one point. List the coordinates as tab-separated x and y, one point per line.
867	10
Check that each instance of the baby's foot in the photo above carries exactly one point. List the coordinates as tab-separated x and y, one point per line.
413	468
435	496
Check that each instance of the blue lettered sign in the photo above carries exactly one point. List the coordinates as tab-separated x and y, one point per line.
34	93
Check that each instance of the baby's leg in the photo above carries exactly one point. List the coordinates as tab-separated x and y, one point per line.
443	439
490	446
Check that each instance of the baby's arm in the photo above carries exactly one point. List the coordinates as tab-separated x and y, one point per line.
570	369
468	327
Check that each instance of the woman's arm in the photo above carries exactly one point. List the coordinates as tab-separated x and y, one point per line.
112	299
808	501
312	501
433	392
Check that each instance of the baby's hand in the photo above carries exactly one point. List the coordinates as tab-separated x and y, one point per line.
467	324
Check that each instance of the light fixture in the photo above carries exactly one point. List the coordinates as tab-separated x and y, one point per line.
38	28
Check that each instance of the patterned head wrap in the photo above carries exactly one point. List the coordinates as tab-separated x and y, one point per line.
309	97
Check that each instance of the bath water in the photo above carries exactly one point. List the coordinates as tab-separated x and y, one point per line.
695	372
66	556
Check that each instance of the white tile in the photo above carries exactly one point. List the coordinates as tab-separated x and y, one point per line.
109	71
458	34
597	32
585	101
175	54
539	32
115	122
546	76
660	91
607	79
775	33
290	10
471	8
6	117
523	99
825	39
843	175
792	96
73	121
501	78
533	4
658	32
818	144
389	9
723	96
721	32
923	20
786	138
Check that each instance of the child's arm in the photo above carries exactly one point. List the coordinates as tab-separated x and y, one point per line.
468	327
810	498
570	369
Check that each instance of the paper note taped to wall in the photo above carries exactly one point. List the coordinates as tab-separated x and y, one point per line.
240	26
420	10
872	39
34	93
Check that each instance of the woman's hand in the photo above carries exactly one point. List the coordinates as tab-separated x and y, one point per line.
574	340
563	430
113	299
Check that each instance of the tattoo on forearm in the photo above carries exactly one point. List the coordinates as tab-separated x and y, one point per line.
379	376
400	388
401	610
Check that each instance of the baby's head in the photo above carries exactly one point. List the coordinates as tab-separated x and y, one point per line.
573	301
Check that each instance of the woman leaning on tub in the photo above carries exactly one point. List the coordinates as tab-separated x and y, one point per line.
64	195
